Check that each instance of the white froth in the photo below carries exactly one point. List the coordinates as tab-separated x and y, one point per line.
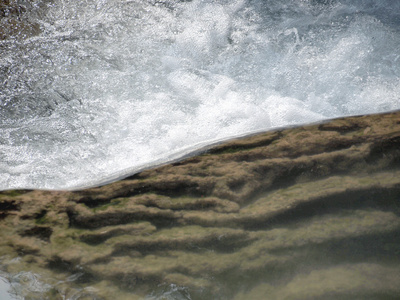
111	87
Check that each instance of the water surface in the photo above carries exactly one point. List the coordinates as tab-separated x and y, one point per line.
110	87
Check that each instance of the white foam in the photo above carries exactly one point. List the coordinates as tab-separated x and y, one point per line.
111	87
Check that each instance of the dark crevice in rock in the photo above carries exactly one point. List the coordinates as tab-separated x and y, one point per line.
188	161
94	202
60	265
8	205
213	244
284	175
102	260
372	198
173	189
97	238
71	216
161	220
342	129
198	204
280	177
249	157
374	248
178	189
137	176
237	185
336	145
387	149
77	272
41	232
40	216
233	148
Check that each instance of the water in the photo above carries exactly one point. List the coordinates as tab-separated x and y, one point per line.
22	285
109	87
4	289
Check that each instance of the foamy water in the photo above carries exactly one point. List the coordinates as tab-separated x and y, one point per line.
111	87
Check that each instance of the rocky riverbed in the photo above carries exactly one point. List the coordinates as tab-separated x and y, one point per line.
310	212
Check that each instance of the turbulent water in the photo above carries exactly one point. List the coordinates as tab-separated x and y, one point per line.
109	87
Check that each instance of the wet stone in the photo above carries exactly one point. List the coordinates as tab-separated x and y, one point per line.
14	22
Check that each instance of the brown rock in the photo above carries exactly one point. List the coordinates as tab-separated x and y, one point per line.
294	213
13	22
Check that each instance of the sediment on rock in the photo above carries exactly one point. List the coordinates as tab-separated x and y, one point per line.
262	214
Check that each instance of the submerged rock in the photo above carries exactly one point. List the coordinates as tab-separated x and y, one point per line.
310	212
14	22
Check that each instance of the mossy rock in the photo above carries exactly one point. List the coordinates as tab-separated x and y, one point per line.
297	213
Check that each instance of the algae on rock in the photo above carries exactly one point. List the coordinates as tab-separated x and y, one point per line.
293	214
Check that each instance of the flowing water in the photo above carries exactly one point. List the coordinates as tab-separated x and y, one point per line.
109	87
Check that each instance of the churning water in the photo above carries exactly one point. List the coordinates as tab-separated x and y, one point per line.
109	87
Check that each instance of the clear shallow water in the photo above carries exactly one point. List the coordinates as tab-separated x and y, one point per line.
110	87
